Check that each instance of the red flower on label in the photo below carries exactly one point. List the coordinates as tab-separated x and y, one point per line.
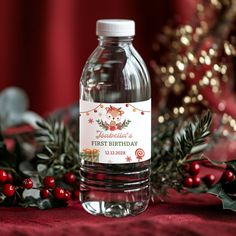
112	128
118	127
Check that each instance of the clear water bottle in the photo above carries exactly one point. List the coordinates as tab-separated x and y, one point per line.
115	124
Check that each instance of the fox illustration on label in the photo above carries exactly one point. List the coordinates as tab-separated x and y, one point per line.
114	116
113	119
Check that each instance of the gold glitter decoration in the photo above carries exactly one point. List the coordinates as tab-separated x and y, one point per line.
183	76
191	75
171	69
181	110
184	40
185	57
200	7
212	52
209	74
161	119
176	111
171	79
190	56
187	99
199	97
223	69
216	67
180	65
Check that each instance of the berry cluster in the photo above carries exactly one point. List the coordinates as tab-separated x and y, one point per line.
48	189
59	193
192	180
6	180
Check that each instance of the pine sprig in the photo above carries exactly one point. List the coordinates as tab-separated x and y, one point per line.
60	151
170	153
193	135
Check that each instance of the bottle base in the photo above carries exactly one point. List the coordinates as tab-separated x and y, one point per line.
115	209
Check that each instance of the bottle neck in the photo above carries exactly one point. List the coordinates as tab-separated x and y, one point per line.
115	41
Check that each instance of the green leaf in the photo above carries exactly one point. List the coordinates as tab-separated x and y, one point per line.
102	124
41	168
213	162
49	149
43	156
62	157
227	201
42	124
44	204
231	165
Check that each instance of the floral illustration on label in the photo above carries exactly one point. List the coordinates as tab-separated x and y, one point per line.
114	119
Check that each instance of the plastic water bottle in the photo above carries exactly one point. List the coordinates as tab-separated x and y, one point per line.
115	124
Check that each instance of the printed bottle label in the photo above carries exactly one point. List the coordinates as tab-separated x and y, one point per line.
115	132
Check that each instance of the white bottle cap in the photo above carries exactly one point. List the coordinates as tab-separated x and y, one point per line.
115	28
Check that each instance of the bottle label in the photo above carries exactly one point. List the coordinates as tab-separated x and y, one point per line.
115	132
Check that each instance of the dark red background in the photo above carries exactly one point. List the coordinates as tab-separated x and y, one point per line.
44	43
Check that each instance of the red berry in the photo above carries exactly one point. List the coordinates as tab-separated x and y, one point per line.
69	177
59	193
27	183
3	176
228	176
49	182
142	113
194	168
8	190
75	195
188	182
67	195
9	178
209	179
127	105
44	193
196	181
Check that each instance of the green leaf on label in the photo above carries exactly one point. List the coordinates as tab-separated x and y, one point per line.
102	124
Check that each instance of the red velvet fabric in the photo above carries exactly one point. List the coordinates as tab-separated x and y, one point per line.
180	215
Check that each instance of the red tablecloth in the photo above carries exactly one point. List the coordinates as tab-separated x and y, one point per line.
179	215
